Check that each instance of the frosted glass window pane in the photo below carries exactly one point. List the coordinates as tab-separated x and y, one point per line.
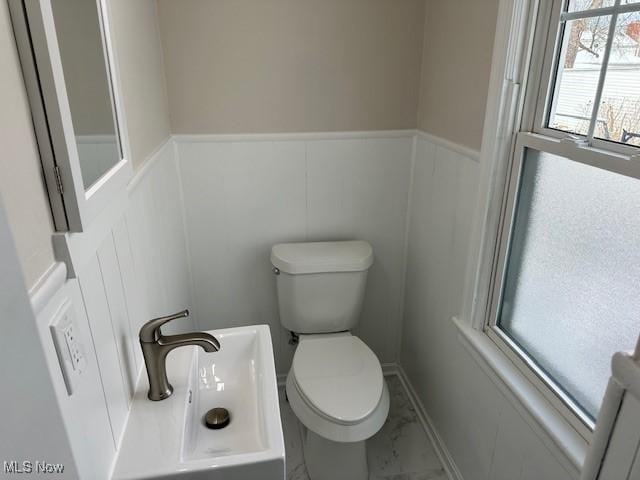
571	296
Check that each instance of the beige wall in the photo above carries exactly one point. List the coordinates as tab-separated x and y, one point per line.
291	65
458	44
21	184
269	66
135	31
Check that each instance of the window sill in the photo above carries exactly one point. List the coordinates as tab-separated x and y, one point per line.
525	397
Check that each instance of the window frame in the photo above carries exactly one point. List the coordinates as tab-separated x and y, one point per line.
547	61
529	132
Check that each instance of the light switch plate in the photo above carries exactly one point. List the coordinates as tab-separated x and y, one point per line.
68	346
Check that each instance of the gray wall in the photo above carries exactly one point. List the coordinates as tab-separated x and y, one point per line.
328	65
456	62
245	66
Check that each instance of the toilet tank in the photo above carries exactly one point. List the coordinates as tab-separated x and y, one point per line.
321	285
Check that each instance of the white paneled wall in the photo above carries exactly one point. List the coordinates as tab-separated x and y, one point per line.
244	194
131	264
196	229
240	197
487	436
85	412
155	223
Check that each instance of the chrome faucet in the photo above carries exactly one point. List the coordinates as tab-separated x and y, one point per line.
156	346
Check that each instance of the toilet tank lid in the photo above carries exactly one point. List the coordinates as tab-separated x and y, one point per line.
322	257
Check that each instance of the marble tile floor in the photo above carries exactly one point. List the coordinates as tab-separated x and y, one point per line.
401	450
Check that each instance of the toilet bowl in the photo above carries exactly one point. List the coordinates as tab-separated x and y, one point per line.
335	385
337	390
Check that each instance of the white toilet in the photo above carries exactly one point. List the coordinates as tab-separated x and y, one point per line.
335	385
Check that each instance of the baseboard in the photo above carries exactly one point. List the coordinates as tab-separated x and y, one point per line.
441	449
387	369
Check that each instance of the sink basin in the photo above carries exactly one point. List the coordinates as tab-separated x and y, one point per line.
169	439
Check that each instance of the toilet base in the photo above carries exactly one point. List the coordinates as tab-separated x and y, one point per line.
329	460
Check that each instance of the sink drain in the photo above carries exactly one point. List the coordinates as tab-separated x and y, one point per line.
217	418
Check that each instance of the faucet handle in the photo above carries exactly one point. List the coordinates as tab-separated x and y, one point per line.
150	331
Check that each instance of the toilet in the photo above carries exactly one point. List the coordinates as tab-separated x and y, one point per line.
335	385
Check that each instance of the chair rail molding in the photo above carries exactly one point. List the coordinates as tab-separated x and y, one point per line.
47	286
449	145
290	136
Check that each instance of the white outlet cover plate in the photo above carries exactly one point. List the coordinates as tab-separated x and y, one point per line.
68	346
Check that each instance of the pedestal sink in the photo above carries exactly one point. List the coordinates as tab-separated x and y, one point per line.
168	439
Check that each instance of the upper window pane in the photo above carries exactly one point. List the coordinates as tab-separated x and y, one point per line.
571	296
581	5
583	44
619	111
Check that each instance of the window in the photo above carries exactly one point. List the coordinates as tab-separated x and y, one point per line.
593	72
565	290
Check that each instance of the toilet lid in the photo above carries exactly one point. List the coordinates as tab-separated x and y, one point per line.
339	376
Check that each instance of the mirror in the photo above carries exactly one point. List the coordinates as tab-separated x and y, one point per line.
71	75
78	28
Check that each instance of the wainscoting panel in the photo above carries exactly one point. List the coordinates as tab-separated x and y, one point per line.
154	221
105	345
130	264
484	433
240	198
244	194
359	189
123	334
85	412
201	218
135	306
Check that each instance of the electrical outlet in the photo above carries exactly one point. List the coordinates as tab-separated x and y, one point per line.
68	346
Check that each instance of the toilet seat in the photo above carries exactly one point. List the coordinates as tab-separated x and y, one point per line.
336	387
339	376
